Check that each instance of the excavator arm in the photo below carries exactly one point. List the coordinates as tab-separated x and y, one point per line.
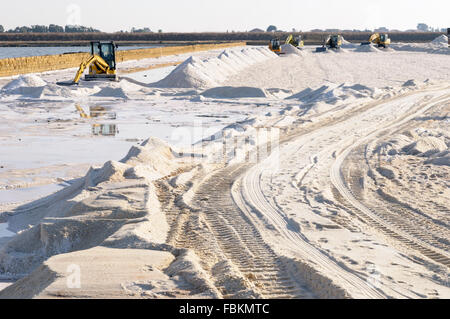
95	59
381	40
374	38
289	39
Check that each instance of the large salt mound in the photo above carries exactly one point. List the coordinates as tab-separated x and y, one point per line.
197	73
234	92
190	74
367	48
152	159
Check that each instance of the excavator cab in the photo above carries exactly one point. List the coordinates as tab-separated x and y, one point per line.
275	46
384	41
380	40
334	42
107	52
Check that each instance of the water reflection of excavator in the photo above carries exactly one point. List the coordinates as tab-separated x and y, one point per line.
100	112
380	40
332	42
101	63
104	130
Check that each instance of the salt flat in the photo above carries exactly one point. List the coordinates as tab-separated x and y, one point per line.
306	175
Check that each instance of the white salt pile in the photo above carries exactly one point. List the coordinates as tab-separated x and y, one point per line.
33	87
426	146
367	48
438	46
348	45
234	92
327	97
290	49
112	92
333	93
197	73
70	220
24	81
441	40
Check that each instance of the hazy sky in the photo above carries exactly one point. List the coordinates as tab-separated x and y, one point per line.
223	15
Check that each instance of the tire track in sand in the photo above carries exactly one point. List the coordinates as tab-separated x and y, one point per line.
251	198
391	226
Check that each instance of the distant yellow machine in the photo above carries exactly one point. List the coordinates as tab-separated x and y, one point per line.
275	46
381	40
102	64
295	41
332	42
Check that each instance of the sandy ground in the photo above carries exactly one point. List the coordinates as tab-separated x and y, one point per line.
309	175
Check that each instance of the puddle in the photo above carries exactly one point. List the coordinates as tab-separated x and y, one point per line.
96	112
22	195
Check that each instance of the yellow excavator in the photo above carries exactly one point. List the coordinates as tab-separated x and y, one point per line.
332	42
102	64
295	41
381	40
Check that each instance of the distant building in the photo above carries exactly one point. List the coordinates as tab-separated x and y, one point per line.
332	30
256	30
316	30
